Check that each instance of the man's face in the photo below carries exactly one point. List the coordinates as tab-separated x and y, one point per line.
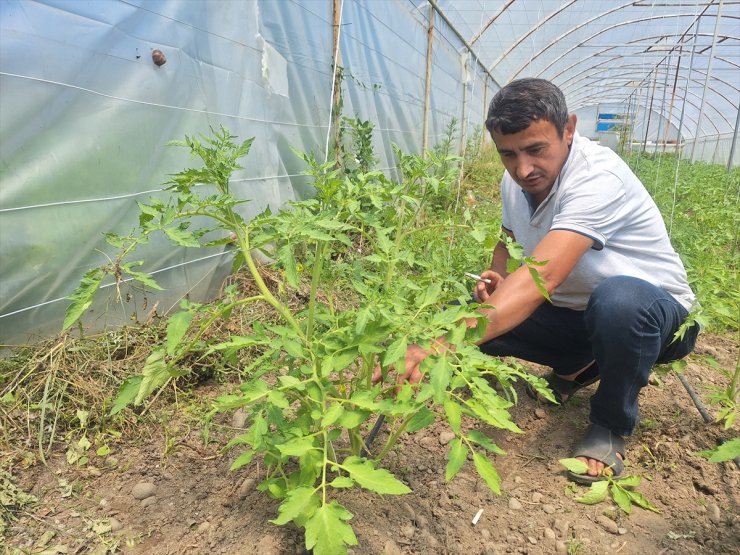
534	156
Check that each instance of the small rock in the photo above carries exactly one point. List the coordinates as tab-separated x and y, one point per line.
536	497
532	540
446	437
239	418
94	472
515	504
408	532
422	522
714	513
103	502
427	442
518	479
549	509
203	527
622	531
485	534
561	526
409	511
561	548
549	534
429	540
115	525
391	548
148	501
142	490
246	487
540	413
608	524
490	548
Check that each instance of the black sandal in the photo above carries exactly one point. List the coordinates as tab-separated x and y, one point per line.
602	445
562	389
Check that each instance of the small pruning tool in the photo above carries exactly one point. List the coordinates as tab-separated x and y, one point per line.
476	277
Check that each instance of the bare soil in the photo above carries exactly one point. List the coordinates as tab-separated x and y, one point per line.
200	507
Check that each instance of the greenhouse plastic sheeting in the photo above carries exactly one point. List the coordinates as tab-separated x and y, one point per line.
86	114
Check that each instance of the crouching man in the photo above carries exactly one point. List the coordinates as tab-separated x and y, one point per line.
619	291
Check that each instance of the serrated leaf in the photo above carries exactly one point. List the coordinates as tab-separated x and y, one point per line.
454	414
82	297
596	494
487	471
574	465
725	452
300	502
423	418
287	260
363	316
342	482
396	351
243	459
621	498
484	441
456	457
177	326
141	277
297	446
155	374
352	419
126	394
378	480
439	378
181	237
430	296
326	531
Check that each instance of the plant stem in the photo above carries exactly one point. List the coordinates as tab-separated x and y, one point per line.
394	437
317	269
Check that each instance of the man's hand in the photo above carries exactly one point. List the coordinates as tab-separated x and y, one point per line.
483	290
411	374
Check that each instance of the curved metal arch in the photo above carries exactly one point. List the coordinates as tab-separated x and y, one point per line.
526	35
601	31
490	22
655	111
587	22
686	100
606	49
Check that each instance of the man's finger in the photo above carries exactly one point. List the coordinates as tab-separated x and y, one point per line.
377	374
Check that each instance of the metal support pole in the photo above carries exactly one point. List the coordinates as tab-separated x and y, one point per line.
709	73
428	83
734	140
650	110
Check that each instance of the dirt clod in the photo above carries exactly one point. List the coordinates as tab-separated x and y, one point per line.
143	490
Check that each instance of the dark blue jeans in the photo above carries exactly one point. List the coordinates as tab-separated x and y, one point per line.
627	327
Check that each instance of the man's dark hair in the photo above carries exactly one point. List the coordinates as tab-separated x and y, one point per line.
523	101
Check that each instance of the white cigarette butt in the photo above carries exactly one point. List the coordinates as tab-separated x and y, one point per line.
476	518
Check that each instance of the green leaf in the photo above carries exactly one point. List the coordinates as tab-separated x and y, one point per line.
177	326
103	450
621	498
141	277
454	414
155	374
301	501
596	494
396	351
456	457
484	441
286	258
574	465
431	295
639	499
487	471
423	418
326	531
126	394
82	297
243	459
352	419
297	446
378	480
440	378
332	415
725	452
181	237
342	482
628	481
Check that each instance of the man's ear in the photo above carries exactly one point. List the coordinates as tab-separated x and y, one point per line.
570	129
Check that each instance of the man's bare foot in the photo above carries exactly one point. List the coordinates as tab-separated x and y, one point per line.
596	467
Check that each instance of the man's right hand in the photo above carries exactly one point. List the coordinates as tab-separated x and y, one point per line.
410	374
483	290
